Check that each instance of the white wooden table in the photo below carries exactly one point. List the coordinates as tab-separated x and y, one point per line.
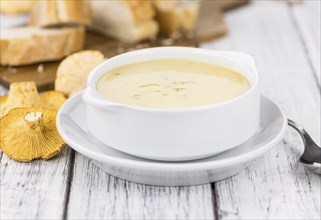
285	40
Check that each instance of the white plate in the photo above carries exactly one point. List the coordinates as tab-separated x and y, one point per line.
72	126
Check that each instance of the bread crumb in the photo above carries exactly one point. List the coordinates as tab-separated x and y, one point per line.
12	69
190	34
167	42
40	68
120	50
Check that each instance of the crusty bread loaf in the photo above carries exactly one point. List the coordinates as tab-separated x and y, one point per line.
172	18
164	5
28	45
125	20
13	7
56	12
140	10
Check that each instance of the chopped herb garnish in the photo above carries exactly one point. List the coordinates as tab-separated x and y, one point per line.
136	96
147	85
178	89
182	83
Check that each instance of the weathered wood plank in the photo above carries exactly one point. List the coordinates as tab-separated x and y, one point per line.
35	190
307	18
96	195
276	186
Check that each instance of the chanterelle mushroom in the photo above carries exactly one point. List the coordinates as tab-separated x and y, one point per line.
73	71
21	95
3	99
25	94
30	133
52	99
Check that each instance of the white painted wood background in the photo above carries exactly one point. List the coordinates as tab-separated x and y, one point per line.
285	40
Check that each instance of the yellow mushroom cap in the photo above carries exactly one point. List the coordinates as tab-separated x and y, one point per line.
25	94
3	99
52	99
73	71
30	133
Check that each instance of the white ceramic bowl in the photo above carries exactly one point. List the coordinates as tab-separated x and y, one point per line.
175	134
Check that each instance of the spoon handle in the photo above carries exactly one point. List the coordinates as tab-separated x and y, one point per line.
312	152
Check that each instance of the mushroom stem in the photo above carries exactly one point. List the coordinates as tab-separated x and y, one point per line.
22	94
29	89
34	120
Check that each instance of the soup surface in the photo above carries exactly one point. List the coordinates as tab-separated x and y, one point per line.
171	84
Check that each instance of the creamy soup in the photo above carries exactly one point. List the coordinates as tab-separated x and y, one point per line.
172	84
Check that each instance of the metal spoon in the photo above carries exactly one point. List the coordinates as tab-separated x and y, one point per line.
311	157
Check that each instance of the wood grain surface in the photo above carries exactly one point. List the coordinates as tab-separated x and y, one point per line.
304	17
275	187
36	190
97	195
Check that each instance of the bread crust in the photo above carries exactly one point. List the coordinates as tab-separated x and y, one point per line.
39	45
172	18
161	5
49	13
126	20
14	7
141	10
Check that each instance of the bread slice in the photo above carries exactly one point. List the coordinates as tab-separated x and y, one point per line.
182	16
13	7
49	13
125	20
27	45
